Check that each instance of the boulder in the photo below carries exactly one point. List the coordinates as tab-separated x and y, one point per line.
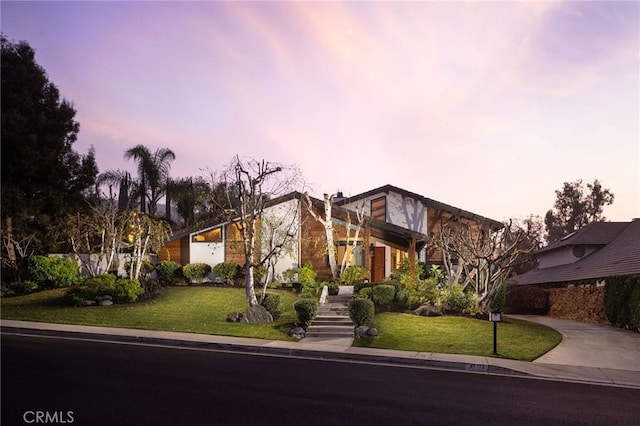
373	332
428	311
361	331
105	303
257	315
88	303
234	317
297	332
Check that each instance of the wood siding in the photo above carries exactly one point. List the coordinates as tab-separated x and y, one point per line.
176	251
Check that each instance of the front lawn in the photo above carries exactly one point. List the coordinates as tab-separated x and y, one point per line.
517	339
186	309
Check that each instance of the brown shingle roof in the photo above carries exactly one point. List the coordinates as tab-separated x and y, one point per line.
620	257
597	233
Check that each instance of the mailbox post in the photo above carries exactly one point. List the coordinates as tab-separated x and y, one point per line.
495	318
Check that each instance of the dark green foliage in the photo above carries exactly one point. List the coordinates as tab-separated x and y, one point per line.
168	272
634	307
52	271
18	288
43	178
621	300
453	299
364	293
361	311
498	302
401	298
146	268
311	290
382	295
196	272
121	290
527	299
334	288
273	303
353	274
306	310
359	286
227	271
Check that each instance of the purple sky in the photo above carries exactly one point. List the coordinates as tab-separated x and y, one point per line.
489	107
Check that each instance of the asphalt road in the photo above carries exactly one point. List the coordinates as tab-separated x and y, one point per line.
93	383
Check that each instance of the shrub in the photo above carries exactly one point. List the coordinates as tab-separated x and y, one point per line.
306	274
617	292
145	269
527	299
382	295
120	289
196	272
227	272
168	272
634	308
401	298
498	302
52	271
306	311
334	288
453	299
361	311
353	274
18	288
359	286
364	293
273	303
310	290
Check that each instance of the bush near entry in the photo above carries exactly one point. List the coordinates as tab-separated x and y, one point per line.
361	311
306	310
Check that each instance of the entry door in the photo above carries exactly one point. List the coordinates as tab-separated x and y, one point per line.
378	272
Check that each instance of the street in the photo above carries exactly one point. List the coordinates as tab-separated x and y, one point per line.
95	383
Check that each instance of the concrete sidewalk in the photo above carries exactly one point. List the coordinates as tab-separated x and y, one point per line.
332	349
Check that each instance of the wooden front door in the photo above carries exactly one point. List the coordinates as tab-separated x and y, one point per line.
377	270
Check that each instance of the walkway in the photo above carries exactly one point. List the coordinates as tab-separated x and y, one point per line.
332	327
590	345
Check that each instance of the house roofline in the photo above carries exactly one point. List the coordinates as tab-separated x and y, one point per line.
426	201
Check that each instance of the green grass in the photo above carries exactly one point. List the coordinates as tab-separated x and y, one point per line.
186	309
521	340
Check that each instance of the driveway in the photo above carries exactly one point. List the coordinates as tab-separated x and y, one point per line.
590	345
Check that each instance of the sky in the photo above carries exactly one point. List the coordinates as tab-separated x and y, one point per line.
486	106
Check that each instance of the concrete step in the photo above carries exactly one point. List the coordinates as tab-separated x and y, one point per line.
333	321
326	331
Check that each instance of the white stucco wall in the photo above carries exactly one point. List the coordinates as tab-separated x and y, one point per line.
283	216
402	211
209	253
561	256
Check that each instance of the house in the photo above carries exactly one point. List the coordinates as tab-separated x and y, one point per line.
588	256
397	225
408	210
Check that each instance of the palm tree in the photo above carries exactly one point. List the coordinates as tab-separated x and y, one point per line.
127	187
153	172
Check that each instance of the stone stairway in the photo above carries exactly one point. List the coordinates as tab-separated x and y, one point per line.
333	319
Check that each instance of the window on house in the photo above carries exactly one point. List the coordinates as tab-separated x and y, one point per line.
379	209
397	257
358	253
211	236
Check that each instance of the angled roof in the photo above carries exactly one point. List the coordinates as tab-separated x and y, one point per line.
620	257
597	233
424	200
387	230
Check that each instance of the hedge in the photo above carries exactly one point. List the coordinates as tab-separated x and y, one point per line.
621	301
361	311
306	310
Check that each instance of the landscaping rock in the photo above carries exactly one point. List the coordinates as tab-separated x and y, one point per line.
297	332
361	331
373	332
105	303
428	311
257	315
234	317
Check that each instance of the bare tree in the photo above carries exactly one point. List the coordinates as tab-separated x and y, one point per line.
16	247
254	183
481	258
327	223
146	235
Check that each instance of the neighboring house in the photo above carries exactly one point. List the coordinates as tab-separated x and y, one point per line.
397	225
588	256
